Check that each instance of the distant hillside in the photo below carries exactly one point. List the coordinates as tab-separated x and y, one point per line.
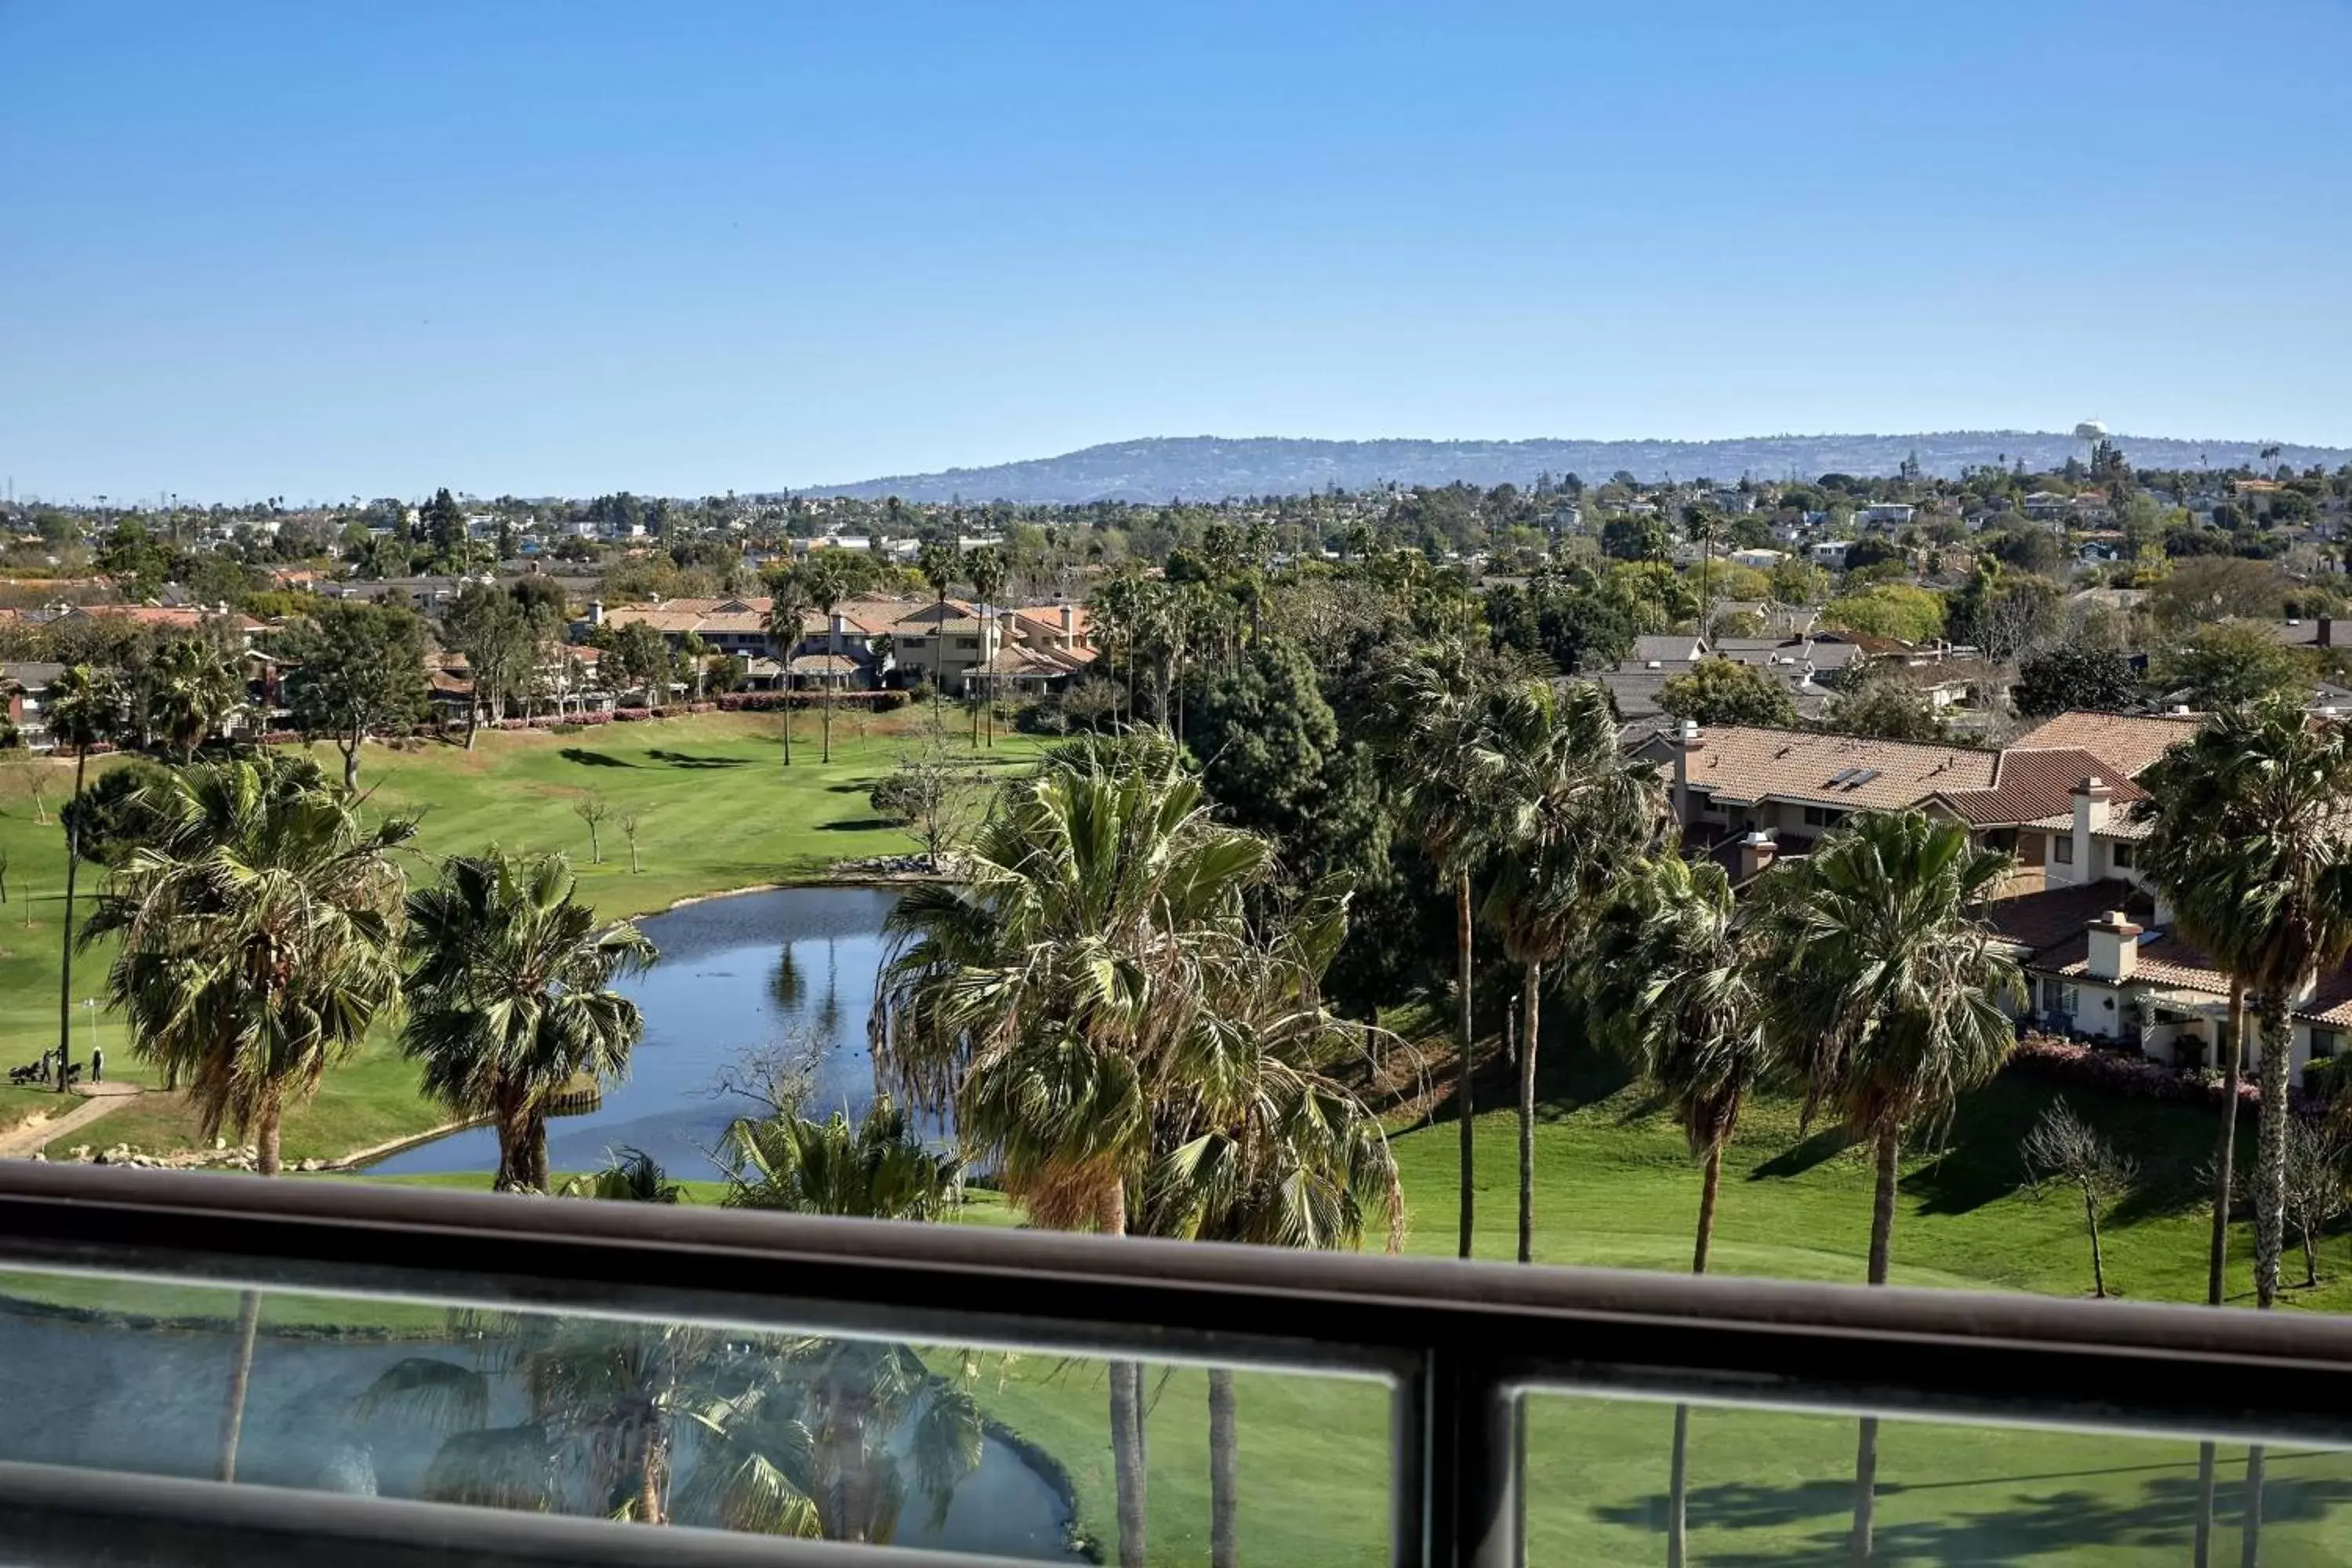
1211	468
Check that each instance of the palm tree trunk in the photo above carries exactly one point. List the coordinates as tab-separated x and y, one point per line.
2270	1168
1223	1470
1710	1185
2225	1159
535	1144
1527	1116
65	962
1127	1417
1462	1091
788	718
267	1127
826	698
2225	1164
1678	1492
2249	1534
1865	1454
241	1377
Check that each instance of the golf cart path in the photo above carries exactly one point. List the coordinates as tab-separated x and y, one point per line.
30	1137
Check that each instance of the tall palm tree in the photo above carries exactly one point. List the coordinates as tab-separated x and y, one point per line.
789	605
985	569
2264	869
195	690
258	926
938	563
1437	709
510	980
260	931
83	707
1887	999
1571	818
826	578
1266	1148
1674	977
1050	999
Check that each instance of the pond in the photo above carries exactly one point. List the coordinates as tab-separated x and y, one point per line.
738	976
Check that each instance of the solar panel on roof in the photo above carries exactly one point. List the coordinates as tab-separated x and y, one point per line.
1842	774
1862	776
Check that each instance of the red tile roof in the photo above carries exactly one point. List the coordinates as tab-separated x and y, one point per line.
2131	742
2029	785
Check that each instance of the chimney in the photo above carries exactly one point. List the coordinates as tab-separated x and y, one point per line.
1069	621
1757	853
836	630
2327	631
1686	740
2091	798
2114	947
595	612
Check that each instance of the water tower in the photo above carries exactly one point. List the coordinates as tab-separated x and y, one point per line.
2090	432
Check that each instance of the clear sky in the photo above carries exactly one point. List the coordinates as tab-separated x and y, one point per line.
320	250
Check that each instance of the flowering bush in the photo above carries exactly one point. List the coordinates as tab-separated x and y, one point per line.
2127	1073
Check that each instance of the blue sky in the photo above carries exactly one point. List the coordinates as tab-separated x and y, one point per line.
320	250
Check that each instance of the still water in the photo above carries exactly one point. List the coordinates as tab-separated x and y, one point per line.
737	977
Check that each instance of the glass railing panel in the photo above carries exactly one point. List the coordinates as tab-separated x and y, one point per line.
977	1449
1776	1489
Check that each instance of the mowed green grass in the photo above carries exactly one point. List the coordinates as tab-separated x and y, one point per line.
715	808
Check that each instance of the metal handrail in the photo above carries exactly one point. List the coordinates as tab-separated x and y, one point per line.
1459	1341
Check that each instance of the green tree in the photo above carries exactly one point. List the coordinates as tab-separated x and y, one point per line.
1051	1000
501	646
1633	538
259	935
441	525
642	659
510	997
789	605
83	708
1887	1002
877	1168
1719	691
1439	697
827	576
1896	610
358	670
1675	980
2076	674
2227	663
192	689
984	568
1572	816
938	564
1884	707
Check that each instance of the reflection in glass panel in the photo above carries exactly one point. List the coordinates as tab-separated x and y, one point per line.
807	1435
1769	1487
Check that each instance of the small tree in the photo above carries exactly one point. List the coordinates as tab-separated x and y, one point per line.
593	809
1718	691
631	821
2314	1186
2063	1147
928	797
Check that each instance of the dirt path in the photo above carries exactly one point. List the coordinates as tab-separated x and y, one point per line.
30	1137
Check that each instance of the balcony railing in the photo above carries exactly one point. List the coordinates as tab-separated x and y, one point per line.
1477	1414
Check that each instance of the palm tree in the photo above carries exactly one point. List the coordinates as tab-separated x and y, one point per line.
1438	707
985	568
876	1169
2250	843
1277	1153
1674	977
195	690
83	707
938	564
257	924
629	1176
509	979
1050	999
788	611
1571	818
1887	1002
826	583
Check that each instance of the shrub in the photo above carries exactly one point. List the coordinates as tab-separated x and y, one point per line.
2122	1072
567	728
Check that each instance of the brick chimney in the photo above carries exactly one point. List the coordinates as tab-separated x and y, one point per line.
2092	800
2114	947
1757	853
1069	622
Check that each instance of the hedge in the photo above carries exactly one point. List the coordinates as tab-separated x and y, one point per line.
2122	1072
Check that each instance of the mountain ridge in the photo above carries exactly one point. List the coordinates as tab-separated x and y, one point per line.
1217	468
